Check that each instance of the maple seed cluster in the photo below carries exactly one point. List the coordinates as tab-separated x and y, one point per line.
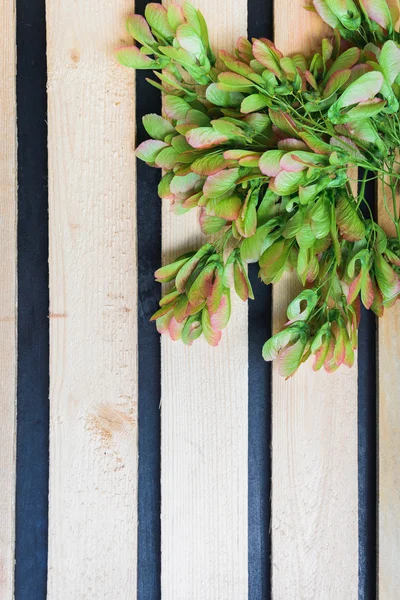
268	148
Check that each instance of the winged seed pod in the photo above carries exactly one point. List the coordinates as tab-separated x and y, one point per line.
260	147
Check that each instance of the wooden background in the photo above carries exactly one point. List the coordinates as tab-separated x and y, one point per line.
204	401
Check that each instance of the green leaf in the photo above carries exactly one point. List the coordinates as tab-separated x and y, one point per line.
214	298
242	68
345	60
161	312
288	68
285	123
315	143
250	248
162	323
220	183
270	162
378	11
209	164
175	107
189	266
258	122
364	88
347	12
277	342
365	110
267	57
322	227
294	225
197	117
210	224
192	329
189	40
286	182
296	310
253	103
181	184
220	317
168	272
156	16
137	27
212	336
300	160
149	150
157	127
273	261
241	282
246	222
305	237
367	290
180	308
175	329
131	56
349	223
163	189
233	82
290	358
220	98
175	16
387	278
170	298
389	60
167	158
228	208
192	17
335	82
226	127
201	288
180	144
205	137
322	7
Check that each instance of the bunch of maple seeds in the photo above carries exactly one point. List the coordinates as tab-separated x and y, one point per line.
264	148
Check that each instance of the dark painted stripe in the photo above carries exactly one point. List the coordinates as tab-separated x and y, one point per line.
367	443
260	24
33	301
148	100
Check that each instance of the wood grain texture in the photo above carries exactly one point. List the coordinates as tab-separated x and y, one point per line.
204	421
93	275
389	440
8	295
314	436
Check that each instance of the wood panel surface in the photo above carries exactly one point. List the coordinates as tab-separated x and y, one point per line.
93	312
8	295
314	435
388	439
204	421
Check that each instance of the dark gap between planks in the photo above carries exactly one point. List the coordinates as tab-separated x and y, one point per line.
33	302
260	24
367	438
148	100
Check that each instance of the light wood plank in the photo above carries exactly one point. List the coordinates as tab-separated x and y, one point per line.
204	422
8	296
314	449
389	440
93	275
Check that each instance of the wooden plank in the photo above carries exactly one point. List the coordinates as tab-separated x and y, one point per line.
389	438
204	422
93	274
314	433
8	295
